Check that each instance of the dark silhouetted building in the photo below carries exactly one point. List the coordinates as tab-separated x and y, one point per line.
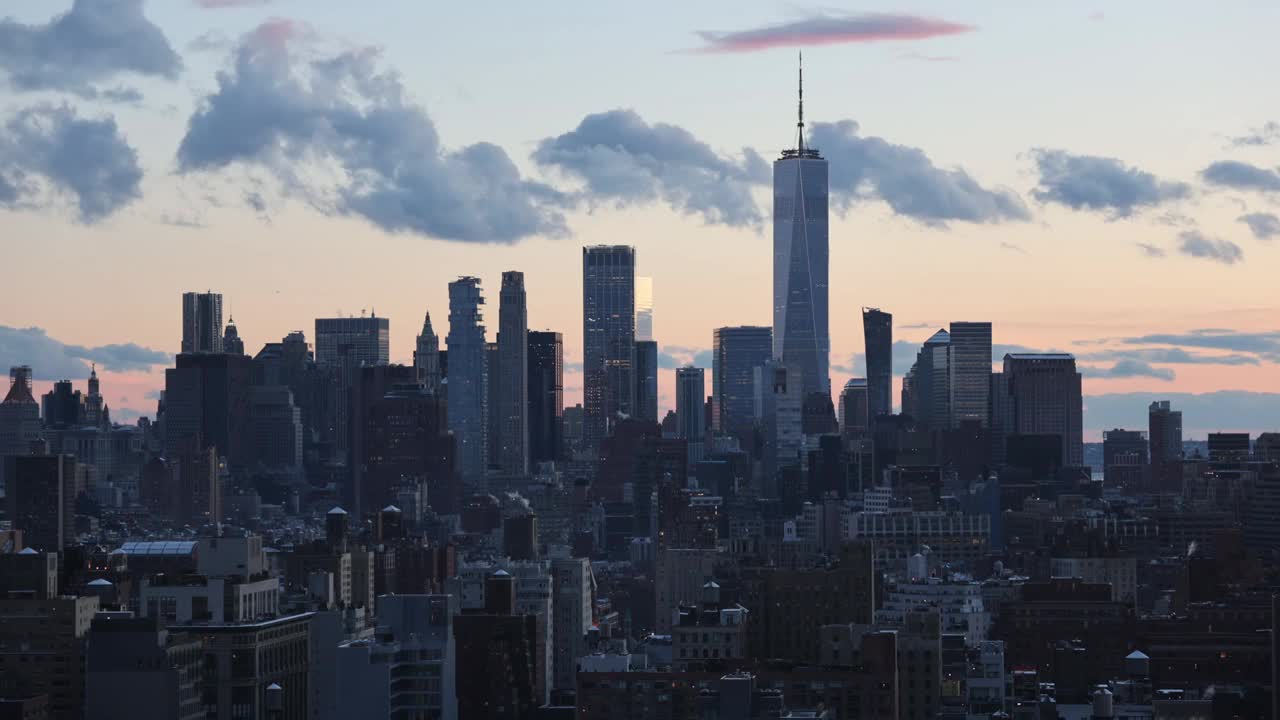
40	495
201	322
546	396
647	380
468	390
511	376
1045	399
608	337
738	351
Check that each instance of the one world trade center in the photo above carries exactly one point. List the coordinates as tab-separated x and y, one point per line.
800	249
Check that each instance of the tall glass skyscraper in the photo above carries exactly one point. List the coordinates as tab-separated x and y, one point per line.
1045	399
608	337
877	337
800	254
691	403
970	367
467	389
512	376
737	352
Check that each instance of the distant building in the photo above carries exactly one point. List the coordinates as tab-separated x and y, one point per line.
135	663
1124	459
646	380
644	309
609	337
426	357
363	340
854	408
1165	437
40	495
737	352
42	649
970	373
1045	399
202	322
206	405
546	396
877	336
19	414
929	384
231	342
468	389
511	376
690	417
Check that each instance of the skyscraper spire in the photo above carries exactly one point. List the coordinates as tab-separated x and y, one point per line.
800	121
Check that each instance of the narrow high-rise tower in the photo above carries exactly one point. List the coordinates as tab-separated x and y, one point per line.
608	338
467	389
426	357
877	337
512	376
800	254
970	373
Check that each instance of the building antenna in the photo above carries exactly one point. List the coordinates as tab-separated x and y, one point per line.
800	121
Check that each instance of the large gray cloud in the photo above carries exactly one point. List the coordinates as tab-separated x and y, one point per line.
1223	410
1087	182
51	359
1241	176
1197	244
48	150
92	42
275	111
1264	226
1170	356
1129	368
621	158
905	178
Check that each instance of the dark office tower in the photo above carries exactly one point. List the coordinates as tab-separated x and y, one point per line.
19	414
63	406
1124	459
231	342
492	441
201	322
855	404
426	357
691	391
1045	399
800	246
647	380
608	337
928	390
406	449
40	494
365	341
1164	425
546	396
468	392
1228	447
737	352
512	376
877	338
206	400
970	368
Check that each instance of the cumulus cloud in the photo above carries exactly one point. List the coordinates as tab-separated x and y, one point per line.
92	42
1264	226
1087	182
671	357
47	151
288	115
1129	368
1267	134
865	167
620	158
51	359
1153	251
1196	244
1241	176
831	30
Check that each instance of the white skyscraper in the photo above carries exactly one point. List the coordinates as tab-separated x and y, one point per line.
800	247
644	308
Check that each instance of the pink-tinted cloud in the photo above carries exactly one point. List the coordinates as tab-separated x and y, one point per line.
831	30
215	4
273	34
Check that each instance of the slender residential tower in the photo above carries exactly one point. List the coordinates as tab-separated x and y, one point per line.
800	248
608	338
512	376
877	336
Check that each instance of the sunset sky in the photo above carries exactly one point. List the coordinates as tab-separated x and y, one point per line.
1101	179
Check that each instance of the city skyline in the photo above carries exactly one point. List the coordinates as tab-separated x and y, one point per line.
1140	326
